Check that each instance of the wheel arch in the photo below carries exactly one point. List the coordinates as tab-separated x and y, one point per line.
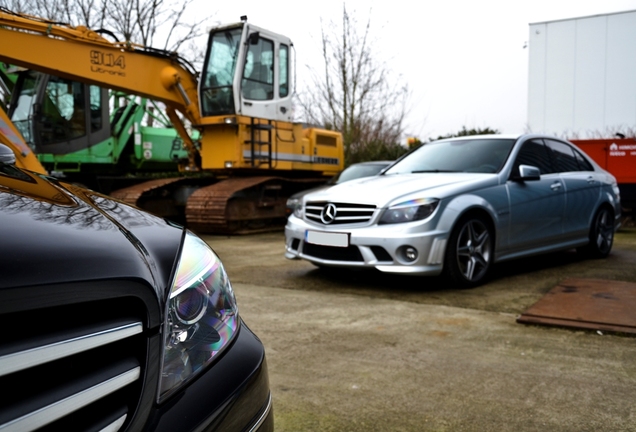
611	202
608	203
459	209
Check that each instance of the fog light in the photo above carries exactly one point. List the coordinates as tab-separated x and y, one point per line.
410	253
228	164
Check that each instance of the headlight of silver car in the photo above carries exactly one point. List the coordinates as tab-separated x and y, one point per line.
409	211
201	315
296	206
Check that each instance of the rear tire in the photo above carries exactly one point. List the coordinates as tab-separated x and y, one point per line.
601	235
469	253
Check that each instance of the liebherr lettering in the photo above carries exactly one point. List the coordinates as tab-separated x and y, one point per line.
107	63
325	160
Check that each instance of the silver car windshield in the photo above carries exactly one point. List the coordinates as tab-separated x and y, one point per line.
478	155
359	171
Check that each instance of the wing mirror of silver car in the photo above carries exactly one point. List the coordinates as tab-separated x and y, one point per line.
6	155
528	173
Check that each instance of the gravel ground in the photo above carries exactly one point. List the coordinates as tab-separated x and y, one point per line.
363	351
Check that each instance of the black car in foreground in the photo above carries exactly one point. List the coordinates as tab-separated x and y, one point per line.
115	319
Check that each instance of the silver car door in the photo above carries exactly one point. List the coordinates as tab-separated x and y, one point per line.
582	186
537	207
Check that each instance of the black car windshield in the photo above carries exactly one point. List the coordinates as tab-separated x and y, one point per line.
483	155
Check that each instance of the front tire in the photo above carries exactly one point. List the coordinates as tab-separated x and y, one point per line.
469	253
601	235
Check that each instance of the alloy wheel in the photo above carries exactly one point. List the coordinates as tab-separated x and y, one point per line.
604	232
474	250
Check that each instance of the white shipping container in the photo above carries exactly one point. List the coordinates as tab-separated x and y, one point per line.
582	76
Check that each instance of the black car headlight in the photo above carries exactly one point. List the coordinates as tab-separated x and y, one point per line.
201	315
409	211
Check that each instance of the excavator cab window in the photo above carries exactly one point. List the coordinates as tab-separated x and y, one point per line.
58	116
283	71
95	98
21	107
258	75
63	109
60	113
23	99
218	73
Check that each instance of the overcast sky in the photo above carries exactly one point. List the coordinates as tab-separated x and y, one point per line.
463	60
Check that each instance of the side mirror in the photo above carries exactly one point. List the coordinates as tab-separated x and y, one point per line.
6	155
528	173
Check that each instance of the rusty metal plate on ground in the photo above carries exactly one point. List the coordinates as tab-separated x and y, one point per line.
592	304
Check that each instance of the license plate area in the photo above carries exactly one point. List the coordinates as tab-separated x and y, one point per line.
327	238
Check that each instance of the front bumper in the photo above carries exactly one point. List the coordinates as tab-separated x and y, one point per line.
382	247
233	395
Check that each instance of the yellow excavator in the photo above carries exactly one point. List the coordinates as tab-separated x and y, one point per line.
251	154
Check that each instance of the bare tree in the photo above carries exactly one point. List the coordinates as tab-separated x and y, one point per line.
356	93
155	23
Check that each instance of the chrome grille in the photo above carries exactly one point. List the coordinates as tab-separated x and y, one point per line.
76	366
340	213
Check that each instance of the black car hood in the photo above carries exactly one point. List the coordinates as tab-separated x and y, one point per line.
51	232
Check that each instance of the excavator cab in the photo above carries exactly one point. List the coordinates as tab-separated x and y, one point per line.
84	132
59	116
247	72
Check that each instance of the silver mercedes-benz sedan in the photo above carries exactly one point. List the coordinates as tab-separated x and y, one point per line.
456	206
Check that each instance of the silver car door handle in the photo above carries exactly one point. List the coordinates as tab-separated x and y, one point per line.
555	186
590	179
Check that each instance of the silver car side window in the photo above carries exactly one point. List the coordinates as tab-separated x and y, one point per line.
562	156
533	153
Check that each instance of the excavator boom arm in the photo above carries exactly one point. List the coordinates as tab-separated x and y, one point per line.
80	54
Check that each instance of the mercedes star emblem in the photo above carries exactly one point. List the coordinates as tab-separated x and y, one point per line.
328	213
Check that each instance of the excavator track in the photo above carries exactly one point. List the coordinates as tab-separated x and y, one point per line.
152	196
238	206
131	194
